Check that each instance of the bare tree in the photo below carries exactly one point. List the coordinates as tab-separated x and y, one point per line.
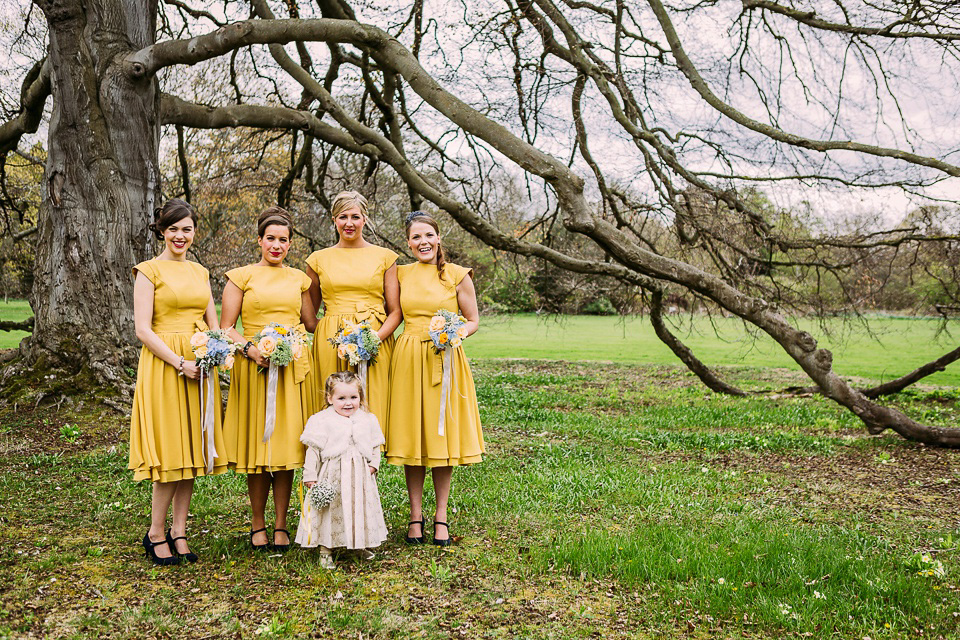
647	154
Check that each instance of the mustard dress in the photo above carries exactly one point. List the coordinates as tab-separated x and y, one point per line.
351	287
270	294
413	434
166	438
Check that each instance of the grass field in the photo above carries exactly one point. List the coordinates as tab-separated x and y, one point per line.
886	348
615	501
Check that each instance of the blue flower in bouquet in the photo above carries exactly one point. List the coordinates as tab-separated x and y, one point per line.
447	329
357	343
213	348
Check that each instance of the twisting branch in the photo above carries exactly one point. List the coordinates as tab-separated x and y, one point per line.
901	383
33	95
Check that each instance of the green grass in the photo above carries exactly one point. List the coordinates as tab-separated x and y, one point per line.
615	500
13	311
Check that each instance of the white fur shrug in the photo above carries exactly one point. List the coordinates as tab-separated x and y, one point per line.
328	435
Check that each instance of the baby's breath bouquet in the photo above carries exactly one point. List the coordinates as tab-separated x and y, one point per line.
357	343
321	494
280	344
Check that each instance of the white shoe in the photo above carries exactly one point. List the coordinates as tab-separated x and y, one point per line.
326	561
366	554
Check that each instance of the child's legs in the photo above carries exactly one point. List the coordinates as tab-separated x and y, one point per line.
415	477
442	477
282	488
258	487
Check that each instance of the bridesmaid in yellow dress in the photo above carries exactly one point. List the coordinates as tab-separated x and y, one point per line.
354	281
171	301
414	438
260	294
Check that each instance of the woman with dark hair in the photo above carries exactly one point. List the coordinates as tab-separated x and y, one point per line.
260	294
427	430
171	301
354	280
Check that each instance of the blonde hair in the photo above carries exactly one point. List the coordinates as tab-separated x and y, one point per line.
348	200
343	377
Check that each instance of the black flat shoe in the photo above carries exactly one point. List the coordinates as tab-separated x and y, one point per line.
418	539
151	552
258	547
442	543
189	556
282	548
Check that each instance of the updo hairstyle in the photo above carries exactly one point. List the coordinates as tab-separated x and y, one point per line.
173	211
343	377
348	200
274	215
422	216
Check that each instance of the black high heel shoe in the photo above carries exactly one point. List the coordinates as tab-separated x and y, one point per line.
150	551
258	547
417	539
442	543
282	548
189	556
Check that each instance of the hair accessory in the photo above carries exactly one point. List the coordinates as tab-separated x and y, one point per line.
415	214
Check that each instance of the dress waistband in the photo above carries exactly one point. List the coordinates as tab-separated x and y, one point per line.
180	327
362	310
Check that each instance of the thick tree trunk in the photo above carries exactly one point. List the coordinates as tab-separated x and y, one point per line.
102	177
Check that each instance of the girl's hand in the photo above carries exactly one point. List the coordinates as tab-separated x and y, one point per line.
190	369
373	470
254	354
309	484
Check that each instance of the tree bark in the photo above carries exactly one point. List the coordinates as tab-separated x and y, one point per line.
683	352
102	177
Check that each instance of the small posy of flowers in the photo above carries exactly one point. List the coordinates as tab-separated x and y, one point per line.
213	348
927	566
321	494
281	344
447	329
357	343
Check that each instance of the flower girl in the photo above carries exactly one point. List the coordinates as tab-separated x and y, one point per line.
342	506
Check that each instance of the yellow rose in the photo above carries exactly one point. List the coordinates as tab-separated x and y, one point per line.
297	350
266	346
436	323
342	351
462	319
198	339
462	333
348	328
200	351
456	342
442	338
228	363
281	330
352	348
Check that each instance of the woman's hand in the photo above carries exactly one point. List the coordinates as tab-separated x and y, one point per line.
254	354
373	470
190	369
309	484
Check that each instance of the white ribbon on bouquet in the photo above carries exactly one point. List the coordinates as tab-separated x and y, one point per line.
270	419
446	383
207	401
362	374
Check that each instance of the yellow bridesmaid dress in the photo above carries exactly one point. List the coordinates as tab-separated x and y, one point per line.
351	287
270	294
166	439
413	434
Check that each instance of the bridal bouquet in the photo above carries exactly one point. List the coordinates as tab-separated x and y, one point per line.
280	344
357	343
213	348
447	329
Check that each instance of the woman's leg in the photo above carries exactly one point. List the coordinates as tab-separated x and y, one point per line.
441	487
282	488
415	477
258	486
181	508
160	504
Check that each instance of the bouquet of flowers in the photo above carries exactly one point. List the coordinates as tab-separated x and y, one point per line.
213	348
447	329
280	344
357	343
321	494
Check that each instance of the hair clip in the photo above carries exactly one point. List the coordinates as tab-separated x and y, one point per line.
416	214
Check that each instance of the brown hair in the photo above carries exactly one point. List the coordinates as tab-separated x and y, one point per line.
426	218
348	200
274	215
343	377
172	212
